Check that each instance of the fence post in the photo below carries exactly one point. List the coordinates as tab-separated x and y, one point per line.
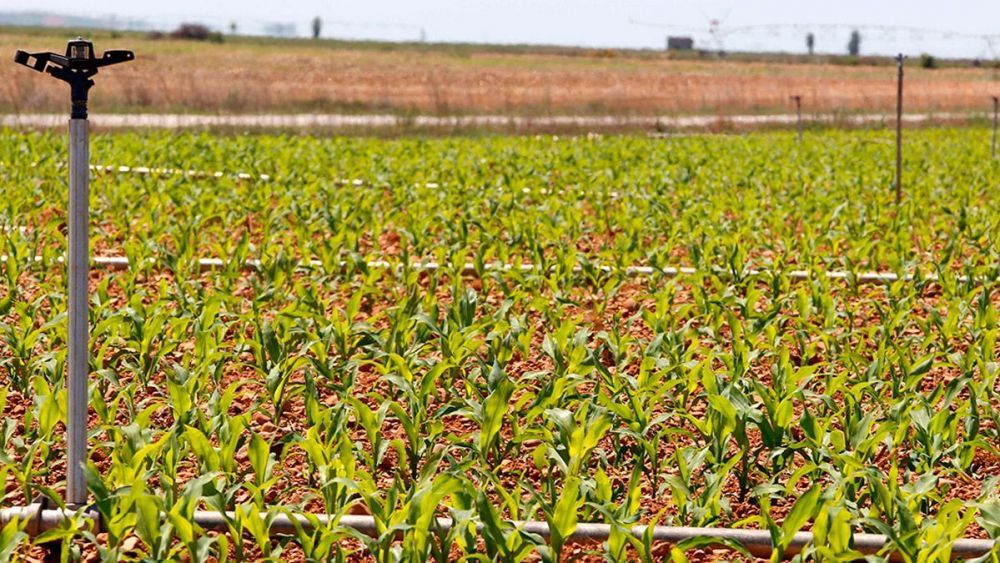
798	115
993	143
899	129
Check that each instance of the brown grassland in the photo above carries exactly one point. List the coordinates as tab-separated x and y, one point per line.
243	75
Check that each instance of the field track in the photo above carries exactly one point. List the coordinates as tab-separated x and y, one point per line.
386	121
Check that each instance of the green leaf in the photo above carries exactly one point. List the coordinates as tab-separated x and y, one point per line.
802	511
564	514
495	406
261	458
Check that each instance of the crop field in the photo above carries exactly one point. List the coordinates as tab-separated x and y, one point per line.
339	377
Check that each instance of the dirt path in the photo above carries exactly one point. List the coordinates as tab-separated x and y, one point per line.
501	122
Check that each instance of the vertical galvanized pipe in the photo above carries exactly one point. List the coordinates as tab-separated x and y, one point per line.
899	130
78	362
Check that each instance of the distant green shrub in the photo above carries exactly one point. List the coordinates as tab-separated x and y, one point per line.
196	32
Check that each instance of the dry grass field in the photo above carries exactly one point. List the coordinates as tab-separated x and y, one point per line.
249	76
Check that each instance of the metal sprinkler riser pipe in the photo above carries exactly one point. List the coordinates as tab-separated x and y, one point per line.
77	68
78	361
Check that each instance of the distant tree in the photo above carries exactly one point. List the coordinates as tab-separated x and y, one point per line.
811	42
854	45
317	26
928	61
232	28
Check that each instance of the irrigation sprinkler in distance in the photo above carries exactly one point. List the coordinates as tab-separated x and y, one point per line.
899	129
77	68
798	114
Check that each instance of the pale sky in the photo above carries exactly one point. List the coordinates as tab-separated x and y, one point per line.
596	23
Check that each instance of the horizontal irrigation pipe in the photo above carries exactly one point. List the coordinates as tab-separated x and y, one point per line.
152	171
469	269
356	182
757	542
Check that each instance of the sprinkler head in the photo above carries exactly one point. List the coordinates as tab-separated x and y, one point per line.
75	68
80	52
